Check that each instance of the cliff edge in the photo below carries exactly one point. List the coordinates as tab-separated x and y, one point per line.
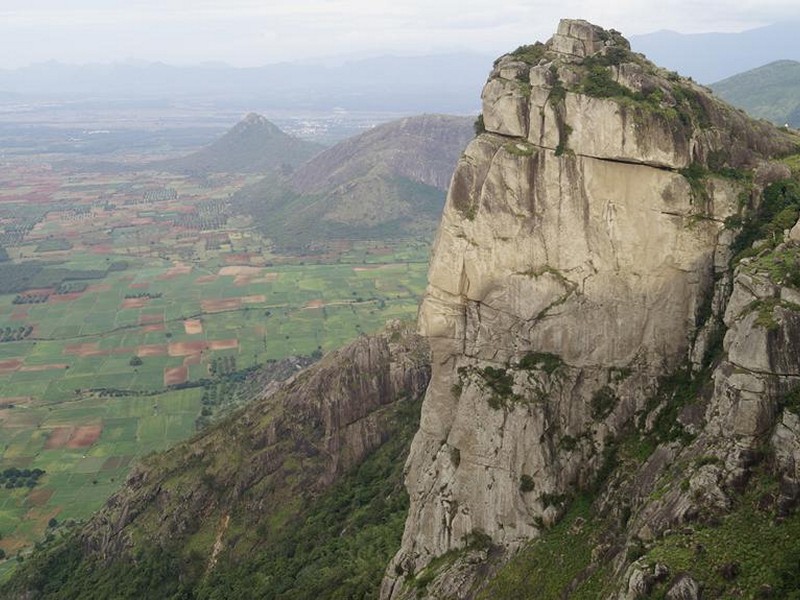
582	261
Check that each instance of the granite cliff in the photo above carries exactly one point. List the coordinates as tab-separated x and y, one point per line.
580	279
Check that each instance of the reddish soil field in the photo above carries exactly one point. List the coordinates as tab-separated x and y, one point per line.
150	318
221	305
242	280
58	438
193	359
92	349
187	348
19	315
102	249
175	271
315	304
15	400
175	375
235	271
139	286
52	367
99	287
193	326
65	297
153	327
84	436
10	365
152	350
206	279
39	291
256	299
39	497
234	259
192	348
134	302
85	349
223	344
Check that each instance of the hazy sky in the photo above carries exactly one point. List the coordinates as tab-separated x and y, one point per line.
256	32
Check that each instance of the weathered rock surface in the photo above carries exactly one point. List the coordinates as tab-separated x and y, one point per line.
573	267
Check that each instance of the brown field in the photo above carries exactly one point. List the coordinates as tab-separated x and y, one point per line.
58	438
84	349
192	348
221	304
151	318
65	297
20	315
187	348
153	327
134	302
267	278
85	435
193	359
139	286
315	304
256	299
206	279
237	270
10	365
51	367
101	249
242	280
151	350
39	496
175	272
15	400
93	349
99	287
223	344
175	375
193	326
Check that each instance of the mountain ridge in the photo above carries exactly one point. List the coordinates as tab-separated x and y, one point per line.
771	91
253	145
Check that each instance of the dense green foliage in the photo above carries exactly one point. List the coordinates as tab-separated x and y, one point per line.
777	211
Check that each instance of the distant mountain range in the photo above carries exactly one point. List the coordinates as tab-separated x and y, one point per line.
770	92
254	145
438	83
385	183
710	57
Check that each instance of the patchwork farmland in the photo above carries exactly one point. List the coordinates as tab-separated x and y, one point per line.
127	314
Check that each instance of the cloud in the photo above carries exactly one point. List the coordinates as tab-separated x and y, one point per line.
250	32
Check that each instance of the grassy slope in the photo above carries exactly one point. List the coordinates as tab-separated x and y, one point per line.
770	92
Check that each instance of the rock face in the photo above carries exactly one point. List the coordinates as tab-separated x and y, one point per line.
574	266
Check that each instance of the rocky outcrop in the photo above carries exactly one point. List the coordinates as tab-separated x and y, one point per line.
290	445
574	267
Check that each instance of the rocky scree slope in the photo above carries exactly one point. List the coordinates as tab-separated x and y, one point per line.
579	291
269	503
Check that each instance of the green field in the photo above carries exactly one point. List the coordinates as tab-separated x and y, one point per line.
126	304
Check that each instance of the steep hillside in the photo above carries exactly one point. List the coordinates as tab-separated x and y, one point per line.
387	182
299	493
254	145
770	92
575	310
